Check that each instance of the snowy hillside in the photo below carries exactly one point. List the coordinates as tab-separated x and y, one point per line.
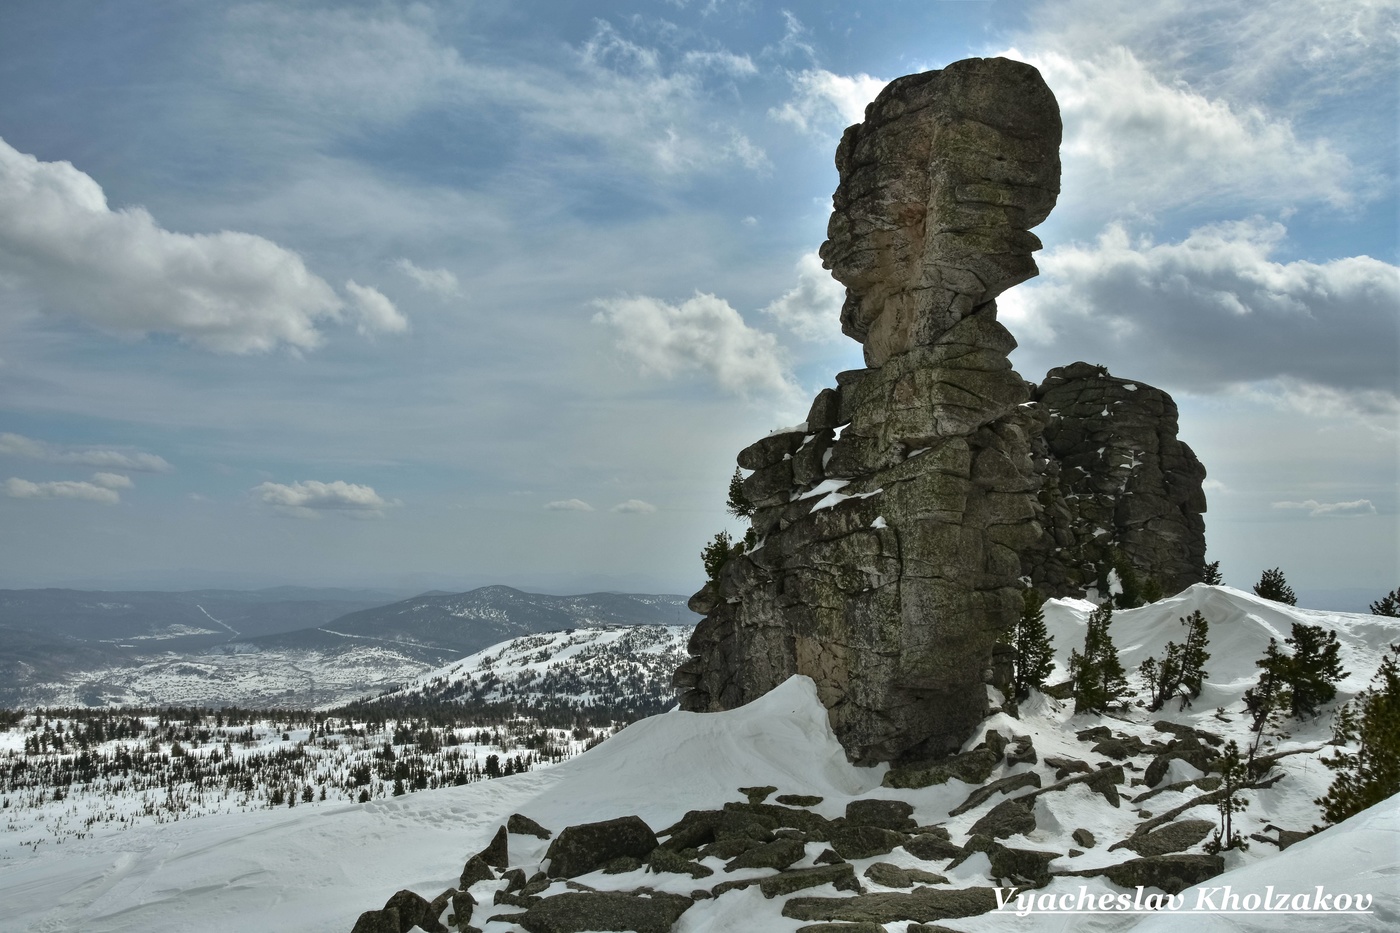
575	667
317	869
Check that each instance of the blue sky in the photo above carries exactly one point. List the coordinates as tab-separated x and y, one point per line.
414	295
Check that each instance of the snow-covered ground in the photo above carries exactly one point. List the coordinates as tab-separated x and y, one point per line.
316	869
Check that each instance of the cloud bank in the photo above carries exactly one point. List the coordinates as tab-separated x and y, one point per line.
17	445
311	498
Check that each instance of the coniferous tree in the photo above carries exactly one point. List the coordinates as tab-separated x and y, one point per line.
1234	775
1387	605
1097	674
1212	575
1314	669
1272	586
1034	656
1181	672
716	554
1372	773
738	504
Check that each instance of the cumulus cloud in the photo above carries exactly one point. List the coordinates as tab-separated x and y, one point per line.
61	489
1317	509
821	97
311	498
121	271
812	309
440	282
1137	141
112	481
1214	311
634	507
17	445
377	313
568	505
703	334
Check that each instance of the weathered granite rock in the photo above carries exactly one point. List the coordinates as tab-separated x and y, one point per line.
893	876
1173	837
475	870
582	848
887	814
921	904
578	911
497	854
1118	488
1007	819
524	826
890	557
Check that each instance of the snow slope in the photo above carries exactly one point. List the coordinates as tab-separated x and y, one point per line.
316	869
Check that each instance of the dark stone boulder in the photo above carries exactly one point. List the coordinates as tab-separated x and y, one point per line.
851	842
842	877
524	826
475	870
778	854
921	904
893	876
931	847
1003	786
1173	837
581	911
1084	838
1007	818
886	814
497	853
583	848
972	767
662	859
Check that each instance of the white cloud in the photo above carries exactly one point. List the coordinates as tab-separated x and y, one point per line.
1317	509
701	334
811	309
1138	142
376	312
112	481
657	109
822	96
309	499
63	489
120	271
568	505
17	445
634	507
440	282
1215	311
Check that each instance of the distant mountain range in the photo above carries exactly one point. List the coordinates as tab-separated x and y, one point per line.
286	646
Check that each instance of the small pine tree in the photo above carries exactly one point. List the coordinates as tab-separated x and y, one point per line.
1387	605
716	554
1314	669
1234	775
738	504
1130	586
1097	674
1181	672
1372	773
1034	656
1269	696
1272	586
1212	577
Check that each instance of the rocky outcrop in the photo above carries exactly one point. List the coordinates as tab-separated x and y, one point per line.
890	524
893	530
1118	489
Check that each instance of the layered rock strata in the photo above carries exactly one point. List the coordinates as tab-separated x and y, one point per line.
890	524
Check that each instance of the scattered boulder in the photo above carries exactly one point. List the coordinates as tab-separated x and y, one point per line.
524	826
1171	873
921	904
798	800
475	870
842	877
779	854
866	927
887	814
496	854
579	911
852	842
1007	818
663	859
1173	837
1022	866
1003	786
588	846
893	876
1084	838
758	794
931	848
972	767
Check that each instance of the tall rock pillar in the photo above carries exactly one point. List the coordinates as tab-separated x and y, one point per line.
890	524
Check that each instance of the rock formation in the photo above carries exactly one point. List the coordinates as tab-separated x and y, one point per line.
892	529
1118	490
891	523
